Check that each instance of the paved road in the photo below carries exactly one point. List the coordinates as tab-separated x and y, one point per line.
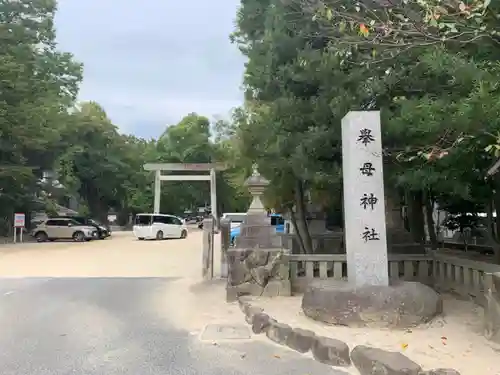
114	326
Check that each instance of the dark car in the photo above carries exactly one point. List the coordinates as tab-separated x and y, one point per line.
102	230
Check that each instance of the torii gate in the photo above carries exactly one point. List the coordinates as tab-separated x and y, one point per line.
206	167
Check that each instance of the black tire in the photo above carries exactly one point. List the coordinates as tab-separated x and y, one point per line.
41	236
184	234
140	238
159	235
78	236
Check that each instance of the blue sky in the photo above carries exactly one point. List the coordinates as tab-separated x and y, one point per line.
150	62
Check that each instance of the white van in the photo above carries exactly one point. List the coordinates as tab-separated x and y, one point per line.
159	226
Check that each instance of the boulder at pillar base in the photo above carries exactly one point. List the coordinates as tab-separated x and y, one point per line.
401	305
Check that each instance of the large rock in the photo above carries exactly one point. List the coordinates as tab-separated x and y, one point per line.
440	371
278	332
260	322
331	351
250	312
300	340
374	361
402	305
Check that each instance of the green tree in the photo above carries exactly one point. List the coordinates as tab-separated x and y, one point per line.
287	125
310	63
191	141
39	83
94	166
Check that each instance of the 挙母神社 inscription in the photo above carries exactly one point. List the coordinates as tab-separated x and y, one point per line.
364	203
367	169
368	201
365	136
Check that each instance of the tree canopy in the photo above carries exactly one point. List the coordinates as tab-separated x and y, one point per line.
429	66
45	132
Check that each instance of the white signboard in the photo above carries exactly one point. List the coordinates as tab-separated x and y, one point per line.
19	220
364	203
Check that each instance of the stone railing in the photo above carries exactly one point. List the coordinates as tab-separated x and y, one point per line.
445	272
304	268
492	306
465	277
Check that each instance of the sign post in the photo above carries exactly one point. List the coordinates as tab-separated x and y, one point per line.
364	199
19	224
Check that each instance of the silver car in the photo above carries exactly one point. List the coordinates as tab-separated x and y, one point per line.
63	229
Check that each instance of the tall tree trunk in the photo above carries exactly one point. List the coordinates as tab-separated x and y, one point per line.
97	211
490	221
431	228
298	237
300	225
416	216
122	217
496	206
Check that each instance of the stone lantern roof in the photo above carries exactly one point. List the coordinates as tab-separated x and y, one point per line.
256	185
256	179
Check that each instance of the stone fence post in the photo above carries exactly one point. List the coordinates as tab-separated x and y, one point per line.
492	307
208	249
225	241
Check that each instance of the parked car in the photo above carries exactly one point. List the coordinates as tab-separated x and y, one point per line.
63	228
102	230
191	219
277	221
159	227
236	218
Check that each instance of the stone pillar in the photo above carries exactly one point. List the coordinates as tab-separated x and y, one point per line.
157	192
492	307
208	249
213	196
225	241
364	199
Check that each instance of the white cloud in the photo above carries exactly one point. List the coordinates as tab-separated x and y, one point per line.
151	65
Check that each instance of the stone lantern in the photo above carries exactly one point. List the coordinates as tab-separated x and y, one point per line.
256	264
256	185
256	230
